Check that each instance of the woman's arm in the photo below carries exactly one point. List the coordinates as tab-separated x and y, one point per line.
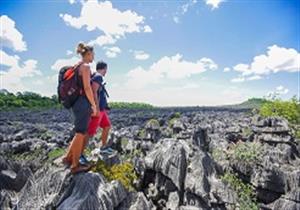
86	79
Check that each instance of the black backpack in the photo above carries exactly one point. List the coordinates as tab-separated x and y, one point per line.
69	88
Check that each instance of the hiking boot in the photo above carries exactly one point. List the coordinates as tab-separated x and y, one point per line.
79	169
83	160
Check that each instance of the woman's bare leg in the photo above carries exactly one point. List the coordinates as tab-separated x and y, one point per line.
75	149
85	143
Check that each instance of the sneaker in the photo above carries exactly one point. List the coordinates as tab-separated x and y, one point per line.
105	151
110	149
83	160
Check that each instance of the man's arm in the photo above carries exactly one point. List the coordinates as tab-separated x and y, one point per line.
95	88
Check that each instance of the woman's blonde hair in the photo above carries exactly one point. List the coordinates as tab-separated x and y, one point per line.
82	49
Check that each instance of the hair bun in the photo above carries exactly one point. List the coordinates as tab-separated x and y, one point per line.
80	48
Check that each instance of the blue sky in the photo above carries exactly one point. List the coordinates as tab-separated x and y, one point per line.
192	52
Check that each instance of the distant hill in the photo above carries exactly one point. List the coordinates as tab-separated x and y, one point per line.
252	103
33	100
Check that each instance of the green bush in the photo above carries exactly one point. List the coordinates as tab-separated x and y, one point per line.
142	133
152	123
245	192
246	152
297	134
173	119
218	154
53	154
127	105
26	156
288	109
26	100
123	172
176	115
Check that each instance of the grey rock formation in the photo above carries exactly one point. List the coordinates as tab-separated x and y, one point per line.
90	191
136	201
13	175
169	158
180	162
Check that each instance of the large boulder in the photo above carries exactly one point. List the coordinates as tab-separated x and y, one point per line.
199	172
13	175
136	201
169	158
276	125
90	191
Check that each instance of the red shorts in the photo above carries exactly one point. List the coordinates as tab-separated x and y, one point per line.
101	121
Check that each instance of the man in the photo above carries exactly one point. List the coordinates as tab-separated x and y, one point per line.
101	119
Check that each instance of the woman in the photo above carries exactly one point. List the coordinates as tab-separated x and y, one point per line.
83	108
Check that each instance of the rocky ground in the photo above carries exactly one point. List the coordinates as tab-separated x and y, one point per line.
183	158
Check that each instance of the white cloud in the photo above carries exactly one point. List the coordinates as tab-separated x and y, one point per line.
226	69
176	19
168	68
102	16
141	55
186	6
112	52
255	77
214	3
243	79
183	9
65	62
279	90
69	52
191	86
238	79
277	59
103	40
147	29
16	70
71	1
180	94
38	82
10	36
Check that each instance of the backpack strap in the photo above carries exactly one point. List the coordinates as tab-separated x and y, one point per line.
104	89
79	82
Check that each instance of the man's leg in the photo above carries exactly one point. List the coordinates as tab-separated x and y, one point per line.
104	135
92	129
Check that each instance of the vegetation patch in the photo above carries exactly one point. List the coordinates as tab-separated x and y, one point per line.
123	172
246	152
127	105
124	142
218	154
245	192
246	131
53	154
142	133
29	100
289	110
26	156
153	123
173	119
176	115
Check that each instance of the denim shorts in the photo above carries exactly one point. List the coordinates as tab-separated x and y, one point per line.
82	113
